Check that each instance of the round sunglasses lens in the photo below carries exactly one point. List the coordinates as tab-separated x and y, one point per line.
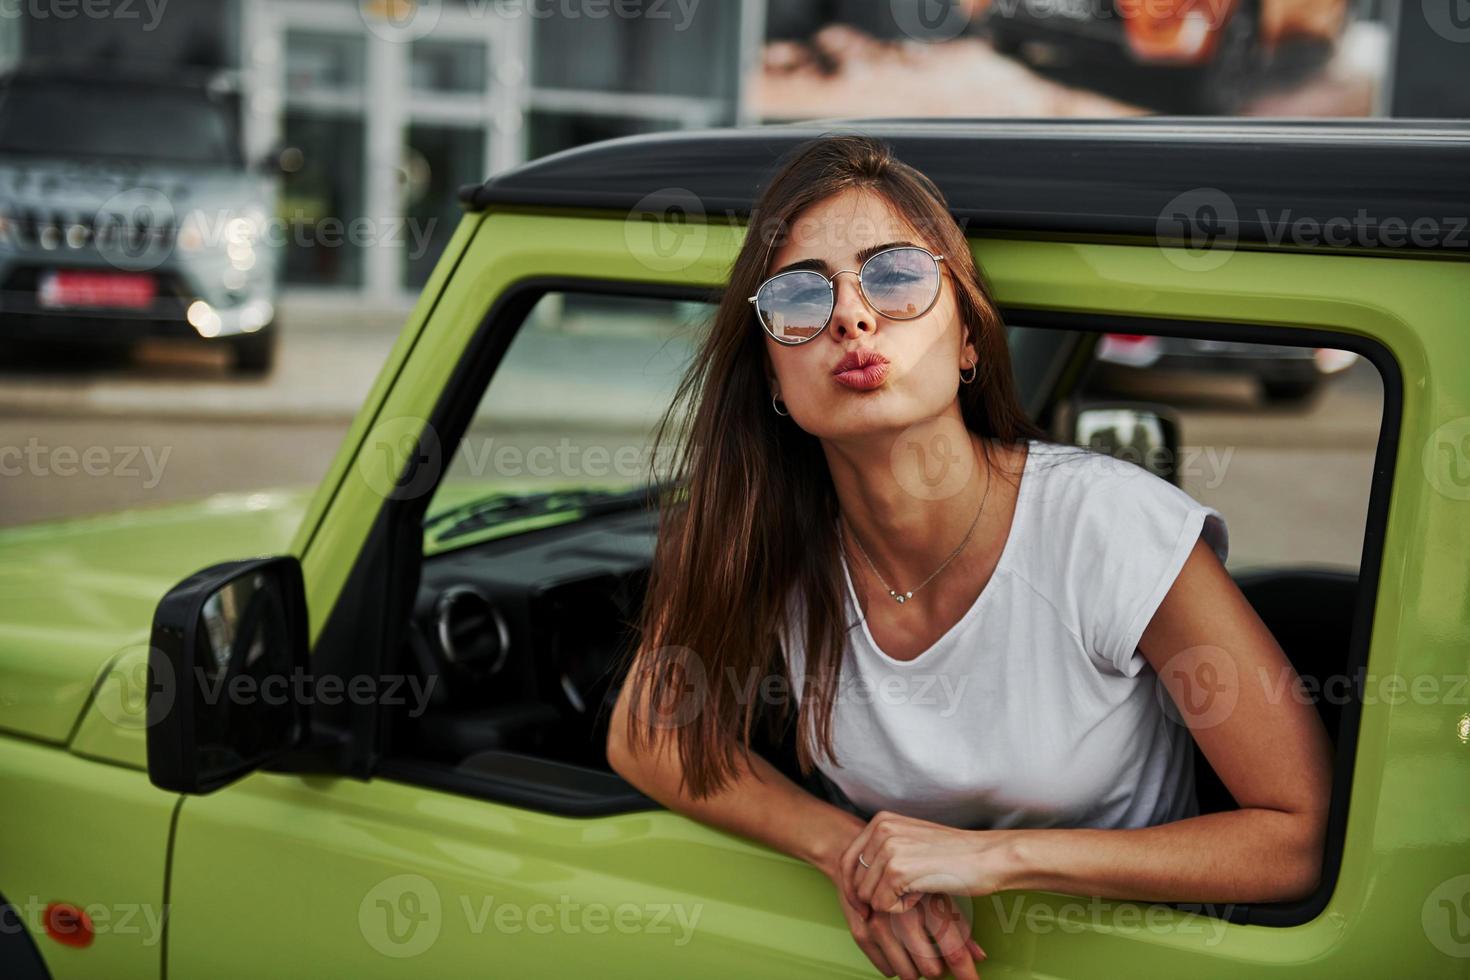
901	283
794	306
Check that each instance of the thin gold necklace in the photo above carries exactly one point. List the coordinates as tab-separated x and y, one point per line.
902	597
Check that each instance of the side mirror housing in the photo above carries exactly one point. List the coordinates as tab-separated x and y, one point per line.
228	644
1139	432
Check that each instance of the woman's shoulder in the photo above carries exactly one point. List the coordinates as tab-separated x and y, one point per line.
1083	501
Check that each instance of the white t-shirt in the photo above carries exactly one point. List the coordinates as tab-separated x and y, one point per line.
1036	708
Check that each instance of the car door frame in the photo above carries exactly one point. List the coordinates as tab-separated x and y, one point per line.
363	511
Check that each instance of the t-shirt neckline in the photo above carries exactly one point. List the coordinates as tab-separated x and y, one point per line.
1001	565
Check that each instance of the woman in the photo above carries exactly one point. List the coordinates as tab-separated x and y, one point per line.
979	626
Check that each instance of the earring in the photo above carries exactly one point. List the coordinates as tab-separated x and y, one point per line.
776	406
974	369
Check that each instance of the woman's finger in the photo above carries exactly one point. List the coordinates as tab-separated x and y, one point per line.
909	928
886	889
863	935
951	934
852	869
867	879
894	948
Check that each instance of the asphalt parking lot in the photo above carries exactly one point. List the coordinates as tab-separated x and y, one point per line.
172	425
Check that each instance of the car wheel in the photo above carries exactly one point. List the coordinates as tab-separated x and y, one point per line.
1294	391
255	353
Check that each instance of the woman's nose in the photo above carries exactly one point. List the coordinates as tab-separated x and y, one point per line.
851	313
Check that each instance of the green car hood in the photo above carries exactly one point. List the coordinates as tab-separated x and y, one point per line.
76	593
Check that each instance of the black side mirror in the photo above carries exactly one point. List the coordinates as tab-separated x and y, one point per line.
1146	434
229	642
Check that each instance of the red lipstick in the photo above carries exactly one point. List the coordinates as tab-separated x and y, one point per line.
861	369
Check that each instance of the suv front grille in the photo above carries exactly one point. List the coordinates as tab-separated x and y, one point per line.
56	230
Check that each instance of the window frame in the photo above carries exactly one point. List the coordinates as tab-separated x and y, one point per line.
457	402
1385	453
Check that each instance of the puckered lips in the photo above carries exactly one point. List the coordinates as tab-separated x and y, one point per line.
861	369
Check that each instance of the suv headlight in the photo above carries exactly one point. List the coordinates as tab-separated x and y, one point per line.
235	232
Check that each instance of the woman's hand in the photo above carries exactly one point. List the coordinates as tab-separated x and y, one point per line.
920	941
896	860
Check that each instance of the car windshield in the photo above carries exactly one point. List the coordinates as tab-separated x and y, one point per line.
66	118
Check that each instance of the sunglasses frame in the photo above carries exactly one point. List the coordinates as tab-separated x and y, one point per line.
832	288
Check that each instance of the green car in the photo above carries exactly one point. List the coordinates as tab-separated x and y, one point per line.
367	739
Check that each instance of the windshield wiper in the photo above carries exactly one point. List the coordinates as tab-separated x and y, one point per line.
503	508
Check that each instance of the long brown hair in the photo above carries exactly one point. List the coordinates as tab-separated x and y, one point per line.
756	516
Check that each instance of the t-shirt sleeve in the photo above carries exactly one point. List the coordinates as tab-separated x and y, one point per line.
1137	533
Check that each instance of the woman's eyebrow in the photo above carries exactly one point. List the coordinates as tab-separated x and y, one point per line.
821	264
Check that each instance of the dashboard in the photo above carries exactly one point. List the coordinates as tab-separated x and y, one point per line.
521	641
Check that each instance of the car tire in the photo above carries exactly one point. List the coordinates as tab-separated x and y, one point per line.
1290	391
255	353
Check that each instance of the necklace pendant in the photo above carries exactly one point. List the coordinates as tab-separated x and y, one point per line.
900	598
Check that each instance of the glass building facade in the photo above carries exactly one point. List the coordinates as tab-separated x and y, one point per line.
384	108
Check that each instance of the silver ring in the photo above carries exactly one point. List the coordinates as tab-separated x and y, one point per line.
862	862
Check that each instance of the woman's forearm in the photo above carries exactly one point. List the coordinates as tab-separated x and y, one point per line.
1247	855
759	802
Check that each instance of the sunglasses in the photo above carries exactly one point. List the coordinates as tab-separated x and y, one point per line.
900	283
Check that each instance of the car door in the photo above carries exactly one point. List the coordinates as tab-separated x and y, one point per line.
342	868
296	873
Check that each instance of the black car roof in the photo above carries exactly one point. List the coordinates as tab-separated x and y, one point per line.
1252	179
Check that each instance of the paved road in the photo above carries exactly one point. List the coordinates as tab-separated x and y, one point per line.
97	436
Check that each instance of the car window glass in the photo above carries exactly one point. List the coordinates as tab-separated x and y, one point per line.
571	408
